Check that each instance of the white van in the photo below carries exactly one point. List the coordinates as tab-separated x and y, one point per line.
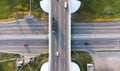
65	5
57	54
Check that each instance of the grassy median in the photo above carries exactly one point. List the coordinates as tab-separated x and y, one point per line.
82	58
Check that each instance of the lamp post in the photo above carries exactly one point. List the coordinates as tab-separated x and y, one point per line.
30	8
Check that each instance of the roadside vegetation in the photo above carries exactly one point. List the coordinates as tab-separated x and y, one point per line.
97	11
8	65
36	65
90	10
11	65
82	58
17	9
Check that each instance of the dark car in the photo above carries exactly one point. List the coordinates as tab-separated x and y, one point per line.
53	24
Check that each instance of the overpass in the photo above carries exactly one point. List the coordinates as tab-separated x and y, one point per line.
59	32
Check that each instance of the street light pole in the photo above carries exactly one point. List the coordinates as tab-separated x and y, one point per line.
30	8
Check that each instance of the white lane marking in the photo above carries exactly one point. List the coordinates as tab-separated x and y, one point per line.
96	27
55	9
64	33
64	43
115	30
102	30
90	30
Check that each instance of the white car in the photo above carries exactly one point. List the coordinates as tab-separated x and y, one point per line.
65	5
57	54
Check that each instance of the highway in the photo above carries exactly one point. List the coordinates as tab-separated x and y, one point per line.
24	27
13	36
96	44
98	36
96	28
63	37
35	46
60	42
54	38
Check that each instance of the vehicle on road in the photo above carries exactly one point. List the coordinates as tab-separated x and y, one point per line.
53	25
65	5
53	28
25	44
57	54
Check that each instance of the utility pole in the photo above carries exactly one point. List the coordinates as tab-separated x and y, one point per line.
30	7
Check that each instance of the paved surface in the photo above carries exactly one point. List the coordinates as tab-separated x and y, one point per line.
107	61
96	36
61	62
13	36
99	36
96	44
98	28
54	38
23	27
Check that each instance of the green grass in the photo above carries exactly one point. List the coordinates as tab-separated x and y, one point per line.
82	58
90	10
4	56
17	9
11	66
8	65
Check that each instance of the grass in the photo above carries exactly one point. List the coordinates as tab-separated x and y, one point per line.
90	10
82	58
17	9
97	11
4	56
9	65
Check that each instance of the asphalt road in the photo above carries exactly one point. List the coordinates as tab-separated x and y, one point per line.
35	46
96	36
61	62
63	34
54	37
98	28
24	27
13	36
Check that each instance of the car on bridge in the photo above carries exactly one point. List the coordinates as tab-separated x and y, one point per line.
66	5
53	24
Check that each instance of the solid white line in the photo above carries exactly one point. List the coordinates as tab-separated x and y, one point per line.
23	28
111	27
69	35
86	36
25	36
50	35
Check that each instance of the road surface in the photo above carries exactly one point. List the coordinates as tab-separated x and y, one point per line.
96	36
13	36
61	34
